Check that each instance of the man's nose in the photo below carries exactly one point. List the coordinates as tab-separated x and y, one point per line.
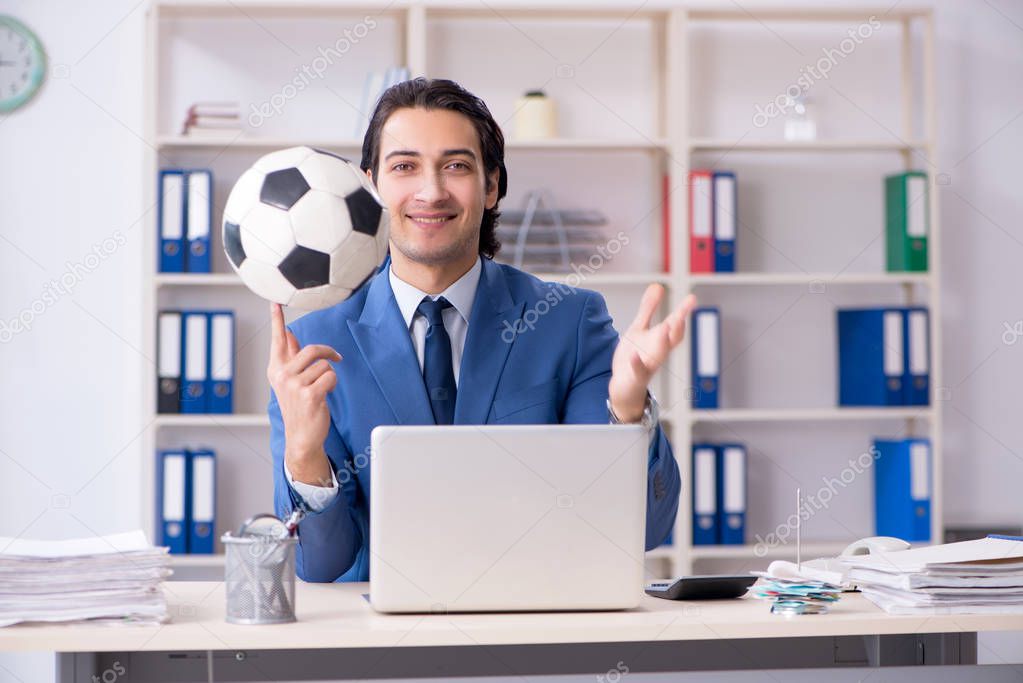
432	189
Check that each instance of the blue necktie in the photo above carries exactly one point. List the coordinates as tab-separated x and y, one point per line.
438	373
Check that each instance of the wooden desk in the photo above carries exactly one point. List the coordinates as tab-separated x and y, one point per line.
339	633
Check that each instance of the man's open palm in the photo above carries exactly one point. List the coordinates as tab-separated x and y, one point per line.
643	348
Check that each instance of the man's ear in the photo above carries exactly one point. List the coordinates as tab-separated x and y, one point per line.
492	178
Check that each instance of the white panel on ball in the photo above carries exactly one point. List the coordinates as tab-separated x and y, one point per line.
285	158
354	260
266	234
383	235
266	281
315	298
320	221
244	195
330	174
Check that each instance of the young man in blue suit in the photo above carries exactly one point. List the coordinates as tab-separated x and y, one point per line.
439	336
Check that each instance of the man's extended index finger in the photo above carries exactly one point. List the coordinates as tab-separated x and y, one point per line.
278	344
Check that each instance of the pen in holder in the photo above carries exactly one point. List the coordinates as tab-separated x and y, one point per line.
259	571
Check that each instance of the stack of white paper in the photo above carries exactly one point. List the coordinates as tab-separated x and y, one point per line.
972	577
110	578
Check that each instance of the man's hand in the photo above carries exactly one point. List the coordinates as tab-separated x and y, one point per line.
301	378
642	350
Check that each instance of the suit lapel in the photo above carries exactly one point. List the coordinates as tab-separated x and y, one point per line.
385	343
488	341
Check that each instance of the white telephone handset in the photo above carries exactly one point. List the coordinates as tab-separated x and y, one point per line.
875	544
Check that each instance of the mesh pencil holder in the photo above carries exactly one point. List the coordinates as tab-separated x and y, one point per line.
259	573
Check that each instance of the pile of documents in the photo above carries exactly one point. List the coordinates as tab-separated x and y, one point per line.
109	579
792	596
973	577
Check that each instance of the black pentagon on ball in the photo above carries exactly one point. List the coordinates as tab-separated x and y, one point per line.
233	243
283	188
364	211
305	268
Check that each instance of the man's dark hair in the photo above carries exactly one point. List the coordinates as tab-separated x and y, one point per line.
436	93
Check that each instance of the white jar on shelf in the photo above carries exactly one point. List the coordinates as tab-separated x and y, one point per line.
536	117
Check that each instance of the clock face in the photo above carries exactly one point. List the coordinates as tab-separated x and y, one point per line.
22	64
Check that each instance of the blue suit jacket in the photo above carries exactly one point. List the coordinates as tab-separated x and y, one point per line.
535	353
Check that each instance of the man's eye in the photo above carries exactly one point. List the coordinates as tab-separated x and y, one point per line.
401	167
462	164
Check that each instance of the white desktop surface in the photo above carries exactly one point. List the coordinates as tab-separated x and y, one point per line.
337	616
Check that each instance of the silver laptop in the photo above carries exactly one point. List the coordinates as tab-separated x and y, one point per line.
507	518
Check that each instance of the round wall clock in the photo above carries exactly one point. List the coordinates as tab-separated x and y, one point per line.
22	63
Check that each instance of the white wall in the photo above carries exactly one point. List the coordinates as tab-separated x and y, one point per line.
70	173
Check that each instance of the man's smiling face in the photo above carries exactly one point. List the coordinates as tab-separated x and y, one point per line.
432	179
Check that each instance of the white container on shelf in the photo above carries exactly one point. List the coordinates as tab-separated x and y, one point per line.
536	117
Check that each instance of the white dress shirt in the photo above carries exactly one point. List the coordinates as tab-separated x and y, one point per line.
460	295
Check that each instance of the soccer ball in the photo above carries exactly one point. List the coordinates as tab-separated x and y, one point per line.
305	228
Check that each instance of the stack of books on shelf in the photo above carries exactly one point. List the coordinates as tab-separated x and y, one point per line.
213	119
109	579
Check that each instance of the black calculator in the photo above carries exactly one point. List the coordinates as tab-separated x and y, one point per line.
708	587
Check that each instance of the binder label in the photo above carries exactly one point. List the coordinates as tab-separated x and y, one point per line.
724	207
919	471
171	224
918	360
174	489
704	493
916	206
169	359
202	489
735	478
707	344
198	204
893	354
220	347
701	206
195	355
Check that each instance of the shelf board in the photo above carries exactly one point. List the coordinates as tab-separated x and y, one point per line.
213	420
726	279
599	279
725	145
247	142
810	415
824	14
810	550
595	280
247	9
587	145
197	280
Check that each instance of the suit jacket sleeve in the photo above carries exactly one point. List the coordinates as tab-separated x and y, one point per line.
328	540
586	403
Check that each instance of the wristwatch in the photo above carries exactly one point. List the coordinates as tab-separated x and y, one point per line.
651	413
